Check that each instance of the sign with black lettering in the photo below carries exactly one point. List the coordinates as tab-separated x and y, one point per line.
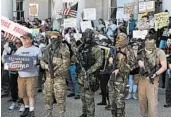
18	63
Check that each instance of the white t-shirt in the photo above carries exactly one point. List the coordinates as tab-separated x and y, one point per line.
30	51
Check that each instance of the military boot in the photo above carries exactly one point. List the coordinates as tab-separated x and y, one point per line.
120	112
31	114
83	115
25	113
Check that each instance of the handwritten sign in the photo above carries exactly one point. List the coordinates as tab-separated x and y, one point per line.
70	22
146	6
13	28
129	8
90	14
121	15
85	25
18	63
33	9
140	34
161	20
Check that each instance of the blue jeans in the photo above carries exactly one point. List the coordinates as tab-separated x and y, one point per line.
74	80
133	87
162	44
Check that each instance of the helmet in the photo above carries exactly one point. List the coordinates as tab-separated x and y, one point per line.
88	36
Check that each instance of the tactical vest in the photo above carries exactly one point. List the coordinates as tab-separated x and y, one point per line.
88	59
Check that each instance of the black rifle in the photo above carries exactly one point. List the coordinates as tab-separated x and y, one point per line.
149	69
78	58
50	64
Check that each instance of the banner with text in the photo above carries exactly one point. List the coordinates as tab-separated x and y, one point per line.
13	28
70	22
146	6
33	9
18	63
140	34
85	25
129	8
161	20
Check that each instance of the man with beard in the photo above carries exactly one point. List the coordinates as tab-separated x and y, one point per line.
152	62
123	60
55	61
89	56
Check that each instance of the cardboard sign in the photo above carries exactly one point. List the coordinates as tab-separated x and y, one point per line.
140	34
129	8
18	63
70	22
161	20
121	15
146	6
13	28
33	9
85	25
90	14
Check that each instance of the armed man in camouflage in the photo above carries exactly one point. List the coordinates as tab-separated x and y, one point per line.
89	56
152	62
55	60
123	60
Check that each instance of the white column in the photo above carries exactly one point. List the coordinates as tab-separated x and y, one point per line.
7	8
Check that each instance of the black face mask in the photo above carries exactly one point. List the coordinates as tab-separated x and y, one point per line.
55	43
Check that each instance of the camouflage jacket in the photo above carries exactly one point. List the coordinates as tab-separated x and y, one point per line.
97	52
60	62
126	61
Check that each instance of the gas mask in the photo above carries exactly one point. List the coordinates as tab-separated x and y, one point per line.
88	36
121	40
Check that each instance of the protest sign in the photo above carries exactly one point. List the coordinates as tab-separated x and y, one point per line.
13	28
90	14
70	22
85	25
146	6
120	14
33	9
18	63
129	8
161	20
140	34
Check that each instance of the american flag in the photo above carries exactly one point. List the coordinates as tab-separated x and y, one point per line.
8	36
71	11
68	12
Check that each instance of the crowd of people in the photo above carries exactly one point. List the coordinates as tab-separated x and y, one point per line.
107	57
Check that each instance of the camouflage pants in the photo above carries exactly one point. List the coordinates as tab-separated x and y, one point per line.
88	105
117	98
55	88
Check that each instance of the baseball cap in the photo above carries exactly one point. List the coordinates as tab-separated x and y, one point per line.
27	35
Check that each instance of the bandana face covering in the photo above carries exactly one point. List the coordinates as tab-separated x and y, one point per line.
121	41
150	45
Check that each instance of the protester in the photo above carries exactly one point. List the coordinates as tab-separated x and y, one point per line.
132	25
27	81
150	58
